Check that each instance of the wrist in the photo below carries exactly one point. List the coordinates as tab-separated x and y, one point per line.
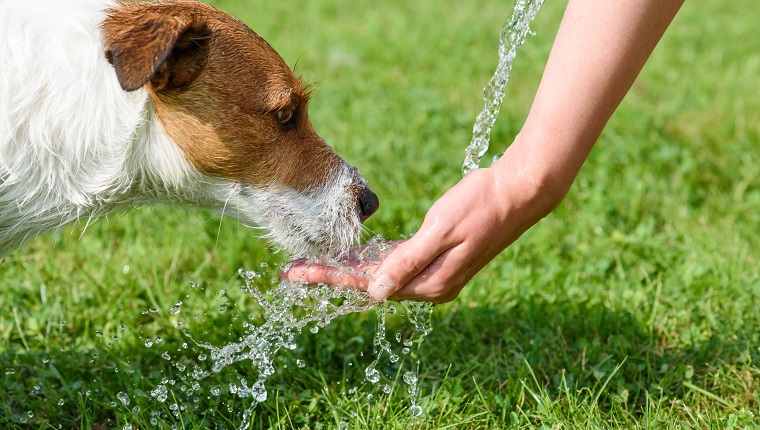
542	181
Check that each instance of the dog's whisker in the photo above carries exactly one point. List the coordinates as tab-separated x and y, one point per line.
233	190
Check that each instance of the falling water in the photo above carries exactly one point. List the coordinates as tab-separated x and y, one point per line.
513	34
286	310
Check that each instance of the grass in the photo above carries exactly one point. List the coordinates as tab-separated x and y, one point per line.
636	304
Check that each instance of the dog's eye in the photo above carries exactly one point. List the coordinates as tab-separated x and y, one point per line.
286	116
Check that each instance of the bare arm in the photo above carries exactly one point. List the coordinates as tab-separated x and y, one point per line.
600	48
599	51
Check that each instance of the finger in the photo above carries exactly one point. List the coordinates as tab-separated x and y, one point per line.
314	274
436	283
404	263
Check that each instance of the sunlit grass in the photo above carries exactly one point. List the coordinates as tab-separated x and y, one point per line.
636	304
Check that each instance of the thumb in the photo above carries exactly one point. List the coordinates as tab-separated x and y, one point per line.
403	264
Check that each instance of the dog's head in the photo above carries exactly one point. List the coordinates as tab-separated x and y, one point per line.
238	114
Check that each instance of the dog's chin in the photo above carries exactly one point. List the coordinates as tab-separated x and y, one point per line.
302	235
299	244
319	224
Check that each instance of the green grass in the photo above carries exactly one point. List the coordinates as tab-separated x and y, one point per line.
636	304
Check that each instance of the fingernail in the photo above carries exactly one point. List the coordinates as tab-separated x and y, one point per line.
381	287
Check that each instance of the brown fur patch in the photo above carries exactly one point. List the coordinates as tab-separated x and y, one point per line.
216	87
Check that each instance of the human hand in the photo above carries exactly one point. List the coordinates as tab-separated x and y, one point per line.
466	228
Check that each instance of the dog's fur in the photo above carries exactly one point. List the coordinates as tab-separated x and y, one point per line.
105	106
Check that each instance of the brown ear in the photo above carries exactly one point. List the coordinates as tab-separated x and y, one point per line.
149	43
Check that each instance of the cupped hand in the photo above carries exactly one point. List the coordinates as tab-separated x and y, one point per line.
465	229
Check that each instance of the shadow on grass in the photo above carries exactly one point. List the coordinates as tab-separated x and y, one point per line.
555	346
559	347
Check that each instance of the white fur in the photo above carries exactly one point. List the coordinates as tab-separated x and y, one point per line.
74	145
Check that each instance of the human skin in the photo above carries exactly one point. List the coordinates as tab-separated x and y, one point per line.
599	51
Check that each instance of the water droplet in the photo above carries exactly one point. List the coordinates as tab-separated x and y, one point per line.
159	339
45	359
259	392
61	402
63	322
215	391
301	364
10	371
174	310
160	393
372	374
166	356
415	411
98	333
314	329
410	378
153	310
123	398
148	343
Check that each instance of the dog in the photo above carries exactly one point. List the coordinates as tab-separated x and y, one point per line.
108	105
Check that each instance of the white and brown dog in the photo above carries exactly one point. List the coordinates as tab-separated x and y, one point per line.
106	106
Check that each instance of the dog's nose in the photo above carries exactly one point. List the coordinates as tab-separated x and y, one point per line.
368	203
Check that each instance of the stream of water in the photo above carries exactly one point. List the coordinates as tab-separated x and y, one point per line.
513	34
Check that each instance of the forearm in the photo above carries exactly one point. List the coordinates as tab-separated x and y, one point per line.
600	48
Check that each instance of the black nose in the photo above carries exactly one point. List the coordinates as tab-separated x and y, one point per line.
368	203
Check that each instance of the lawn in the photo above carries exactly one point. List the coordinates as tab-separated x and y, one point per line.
636	304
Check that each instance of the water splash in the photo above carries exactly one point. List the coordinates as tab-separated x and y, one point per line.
512	36
287	309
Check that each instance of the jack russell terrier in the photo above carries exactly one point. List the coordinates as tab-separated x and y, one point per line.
107	105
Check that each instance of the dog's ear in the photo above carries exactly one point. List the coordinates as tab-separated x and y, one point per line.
147	45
